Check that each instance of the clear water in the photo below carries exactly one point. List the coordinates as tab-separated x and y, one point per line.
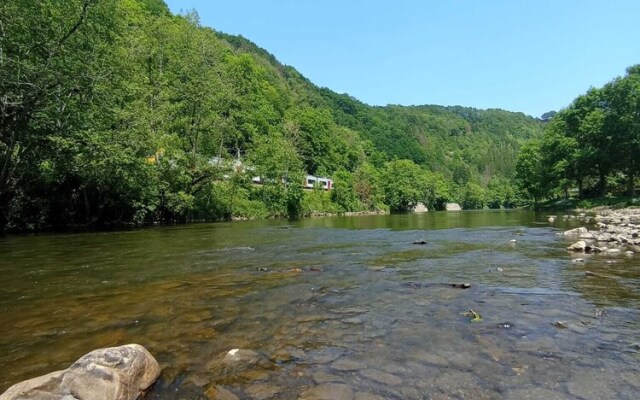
339	302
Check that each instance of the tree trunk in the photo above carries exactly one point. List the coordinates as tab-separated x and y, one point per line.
580	189
602	183
631	184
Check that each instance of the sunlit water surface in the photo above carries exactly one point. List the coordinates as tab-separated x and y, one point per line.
345	302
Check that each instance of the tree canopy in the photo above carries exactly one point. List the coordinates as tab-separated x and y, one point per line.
590	148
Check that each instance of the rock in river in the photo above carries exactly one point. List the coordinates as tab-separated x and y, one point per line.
114	373
580	245
238	360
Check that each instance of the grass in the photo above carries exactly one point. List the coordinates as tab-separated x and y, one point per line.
612	202
572	203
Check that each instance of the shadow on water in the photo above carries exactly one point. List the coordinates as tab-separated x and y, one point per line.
332	301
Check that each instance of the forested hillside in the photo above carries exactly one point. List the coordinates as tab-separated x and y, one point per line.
111	112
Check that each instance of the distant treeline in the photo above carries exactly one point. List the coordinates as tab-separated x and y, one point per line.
589	149
111	110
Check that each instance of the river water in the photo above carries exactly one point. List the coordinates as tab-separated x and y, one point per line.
339	307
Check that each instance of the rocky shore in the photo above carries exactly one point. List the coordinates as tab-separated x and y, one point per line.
617	232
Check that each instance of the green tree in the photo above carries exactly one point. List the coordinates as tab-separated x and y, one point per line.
278	166
312	135
623	120
52	55
438	191
344	193
473	197
530	172
404	185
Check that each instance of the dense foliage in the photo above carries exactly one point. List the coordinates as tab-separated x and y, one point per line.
112	112
589	149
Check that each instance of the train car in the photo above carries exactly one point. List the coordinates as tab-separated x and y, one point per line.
312	182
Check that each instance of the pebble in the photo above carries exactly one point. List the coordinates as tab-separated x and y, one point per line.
432	359
461	361
353	321
345	364
325	377
328	391
262	391
381	377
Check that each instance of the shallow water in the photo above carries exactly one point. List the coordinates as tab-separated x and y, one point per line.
345	305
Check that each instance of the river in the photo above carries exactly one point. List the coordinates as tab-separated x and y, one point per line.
345	304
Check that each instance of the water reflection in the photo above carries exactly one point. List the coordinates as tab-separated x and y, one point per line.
331	301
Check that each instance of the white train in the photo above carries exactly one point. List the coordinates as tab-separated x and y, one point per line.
310	182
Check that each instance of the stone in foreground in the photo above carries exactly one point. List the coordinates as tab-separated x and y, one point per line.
114	373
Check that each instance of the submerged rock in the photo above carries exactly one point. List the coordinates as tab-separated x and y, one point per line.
237	360
114	373
346	364
262	391
560	325
460	285
220	393
381	377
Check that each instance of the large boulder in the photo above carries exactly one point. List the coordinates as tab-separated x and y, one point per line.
114	373
420	208
453	207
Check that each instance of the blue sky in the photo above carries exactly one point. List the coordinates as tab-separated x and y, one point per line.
519	55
